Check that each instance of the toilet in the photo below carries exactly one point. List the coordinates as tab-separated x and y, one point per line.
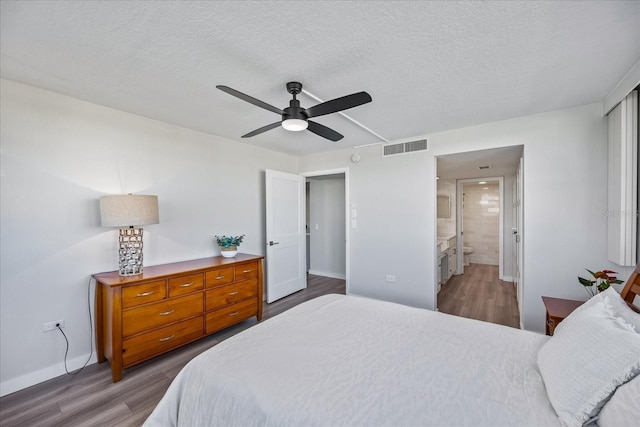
466	252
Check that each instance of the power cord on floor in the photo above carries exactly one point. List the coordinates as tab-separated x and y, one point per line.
66	352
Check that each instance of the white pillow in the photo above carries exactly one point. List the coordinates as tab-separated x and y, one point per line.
623	410
619	306
591	353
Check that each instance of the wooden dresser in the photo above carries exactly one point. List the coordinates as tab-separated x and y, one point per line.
140	317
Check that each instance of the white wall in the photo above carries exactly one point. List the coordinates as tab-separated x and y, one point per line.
59	155
391	235
327	227
564	218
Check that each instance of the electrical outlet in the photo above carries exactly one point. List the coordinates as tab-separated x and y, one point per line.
391	278
50	326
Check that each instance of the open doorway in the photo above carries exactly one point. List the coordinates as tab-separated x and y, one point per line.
477	252
327	207
480	223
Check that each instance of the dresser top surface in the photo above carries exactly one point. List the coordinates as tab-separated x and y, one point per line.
113	278
559	307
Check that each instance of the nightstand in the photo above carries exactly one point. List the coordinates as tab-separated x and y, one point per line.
557	310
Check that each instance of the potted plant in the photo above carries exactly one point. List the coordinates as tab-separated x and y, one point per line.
601	280
229	245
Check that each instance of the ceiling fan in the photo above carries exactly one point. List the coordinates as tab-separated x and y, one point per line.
295	118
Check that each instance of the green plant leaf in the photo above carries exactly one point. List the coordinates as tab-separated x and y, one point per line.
586	282
227	241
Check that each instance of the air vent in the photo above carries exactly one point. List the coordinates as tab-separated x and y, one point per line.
484	167
404	147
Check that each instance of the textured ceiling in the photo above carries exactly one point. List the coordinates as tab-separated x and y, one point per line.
429	66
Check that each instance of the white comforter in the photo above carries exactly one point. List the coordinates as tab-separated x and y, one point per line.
350	361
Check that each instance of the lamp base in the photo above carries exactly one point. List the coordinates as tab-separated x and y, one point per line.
130	251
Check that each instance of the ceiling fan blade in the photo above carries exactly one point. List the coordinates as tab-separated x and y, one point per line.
250	99
324	131
339	104
262	129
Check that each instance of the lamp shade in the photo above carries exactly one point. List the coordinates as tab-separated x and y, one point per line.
128	210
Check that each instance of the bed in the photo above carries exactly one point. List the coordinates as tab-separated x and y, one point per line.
351	361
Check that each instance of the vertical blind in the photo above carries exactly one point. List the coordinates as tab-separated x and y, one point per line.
622	198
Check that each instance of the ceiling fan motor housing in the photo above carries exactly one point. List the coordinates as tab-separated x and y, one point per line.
294	111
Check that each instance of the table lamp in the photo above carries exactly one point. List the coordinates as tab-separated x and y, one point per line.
129	212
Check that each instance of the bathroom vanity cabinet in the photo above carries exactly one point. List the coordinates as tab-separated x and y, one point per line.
452	259
447	258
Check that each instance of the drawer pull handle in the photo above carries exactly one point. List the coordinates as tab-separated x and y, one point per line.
170	337
186	285
219	277
235	313
166	313
145	294
246	271
234	293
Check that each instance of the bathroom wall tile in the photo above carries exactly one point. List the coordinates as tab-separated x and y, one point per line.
481	222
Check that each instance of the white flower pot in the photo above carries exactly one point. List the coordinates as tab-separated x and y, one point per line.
229	252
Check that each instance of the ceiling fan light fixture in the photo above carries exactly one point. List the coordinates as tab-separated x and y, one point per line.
295	125
294	117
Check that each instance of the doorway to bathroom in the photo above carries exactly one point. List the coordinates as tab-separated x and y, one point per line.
482	230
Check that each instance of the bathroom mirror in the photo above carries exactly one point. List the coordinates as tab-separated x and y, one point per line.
444	207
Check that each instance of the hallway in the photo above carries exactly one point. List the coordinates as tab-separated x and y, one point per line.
479	294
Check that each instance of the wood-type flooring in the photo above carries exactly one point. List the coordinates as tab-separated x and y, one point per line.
479	294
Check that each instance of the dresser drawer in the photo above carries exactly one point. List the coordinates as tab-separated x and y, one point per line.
161	313
224	317
219	277
144	346
186	284
246	271
229	294
144	293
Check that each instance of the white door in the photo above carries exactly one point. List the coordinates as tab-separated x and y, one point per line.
286	235
516	238
518	235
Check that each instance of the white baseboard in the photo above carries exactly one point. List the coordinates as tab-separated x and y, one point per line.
328	274
507	279
42	375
